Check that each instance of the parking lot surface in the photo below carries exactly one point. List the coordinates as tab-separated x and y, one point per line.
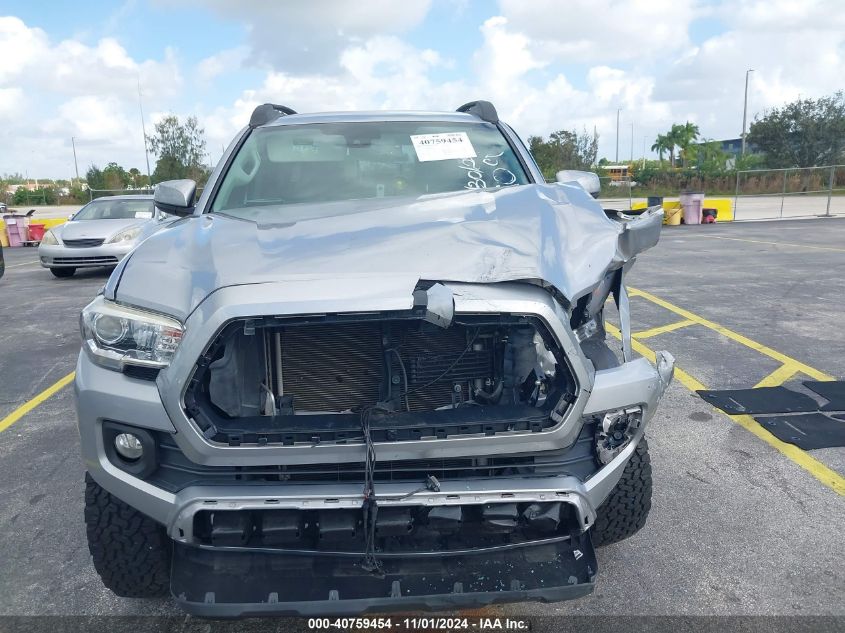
740	525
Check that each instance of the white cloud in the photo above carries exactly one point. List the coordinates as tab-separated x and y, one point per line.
227	60
307	36
546	65
601	30
52	91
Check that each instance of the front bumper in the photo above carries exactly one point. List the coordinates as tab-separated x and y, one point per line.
61	256
102	392
208	580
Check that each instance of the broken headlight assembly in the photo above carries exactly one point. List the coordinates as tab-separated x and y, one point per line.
615	430
115	335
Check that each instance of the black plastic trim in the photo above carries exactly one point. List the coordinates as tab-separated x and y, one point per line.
215	583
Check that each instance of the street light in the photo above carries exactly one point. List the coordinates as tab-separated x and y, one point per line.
618	110
745	110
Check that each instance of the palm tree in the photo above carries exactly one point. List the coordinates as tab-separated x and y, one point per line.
684	136
661	144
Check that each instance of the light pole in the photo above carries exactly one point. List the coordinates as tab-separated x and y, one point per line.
745	110
144	132
75	165
618	110
644	151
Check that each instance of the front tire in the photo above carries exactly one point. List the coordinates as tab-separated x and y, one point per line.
63	272
626	509
131	552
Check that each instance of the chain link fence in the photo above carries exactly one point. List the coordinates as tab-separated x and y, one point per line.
790	193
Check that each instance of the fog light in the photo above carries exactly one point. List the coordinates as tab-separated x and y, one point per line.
615	431
128	446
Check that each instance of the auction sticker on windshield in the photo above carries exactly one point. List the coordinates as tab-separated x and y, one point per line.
443	146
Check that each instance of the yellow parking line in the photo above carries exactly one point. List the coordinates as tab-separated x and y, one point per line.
791	244
739	338
26	407
825	475
663	329
778	376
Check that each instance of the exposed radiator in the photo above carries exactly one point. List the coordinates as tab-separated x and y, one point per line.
342	367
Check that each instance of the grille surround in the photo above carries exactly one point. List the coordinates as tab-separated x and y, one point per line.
85	242
98	260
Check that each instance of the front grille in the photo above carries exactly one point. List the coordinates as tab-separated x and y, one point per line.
83	242
104	261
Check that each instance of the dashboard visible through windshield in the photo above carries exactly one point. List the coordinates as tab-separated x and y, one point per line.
332	162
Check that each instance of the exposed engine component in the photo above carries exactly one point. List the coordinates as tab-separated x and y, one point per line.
401	365
280	372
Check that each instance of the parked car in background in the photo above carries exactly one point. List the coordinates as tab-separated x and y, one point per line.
101	233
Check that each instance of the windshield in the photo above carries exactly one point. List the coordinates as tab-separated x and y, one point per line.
105	209
331	162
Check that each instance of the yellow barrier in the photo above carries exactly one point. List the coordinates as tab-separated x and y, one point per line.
723	206
48	223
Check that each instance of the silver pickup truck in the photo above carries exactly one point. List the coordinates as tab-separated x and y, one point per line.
367	371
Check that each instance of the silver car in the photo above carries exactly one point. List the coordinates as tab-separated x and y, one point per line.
101	233
367	371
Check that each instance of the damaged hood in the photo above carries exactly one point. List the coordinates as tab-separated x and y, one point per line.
553	234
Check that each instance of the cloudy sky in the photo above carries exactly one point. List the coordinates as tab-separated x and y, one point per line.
73	69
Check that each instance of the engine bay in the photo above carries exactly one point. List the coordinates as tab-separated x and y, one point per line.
310	380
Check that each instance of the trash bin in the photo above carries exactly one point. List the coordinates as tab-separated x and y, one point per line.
36	232
15	229
691	203
654	201
672	216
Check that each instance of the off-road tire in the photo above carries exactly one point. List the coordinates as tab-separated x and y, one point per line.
63	272
625	510
131	552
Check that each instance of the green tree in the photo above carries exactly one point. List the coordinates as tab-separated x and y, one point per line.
683	136
709	158
661	144
180	149
94	177
42	195
115	177
804	133
565	149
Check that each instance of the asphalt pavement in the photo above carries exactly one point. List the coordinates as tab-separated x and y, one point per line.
737	527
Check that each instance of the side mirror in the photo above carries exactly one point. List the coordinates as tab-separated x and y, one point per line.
588	180
175	196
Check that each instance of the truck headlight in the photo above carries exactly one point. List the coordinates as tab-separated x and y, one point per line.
49	239
129	235
116	335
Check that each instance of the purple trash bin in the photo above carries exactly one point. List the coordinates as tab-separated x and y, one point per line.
691	204
16	229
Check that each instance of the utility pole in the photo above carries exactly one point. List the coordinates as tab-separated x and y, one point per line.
745	110
75	165
144	132
618	110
